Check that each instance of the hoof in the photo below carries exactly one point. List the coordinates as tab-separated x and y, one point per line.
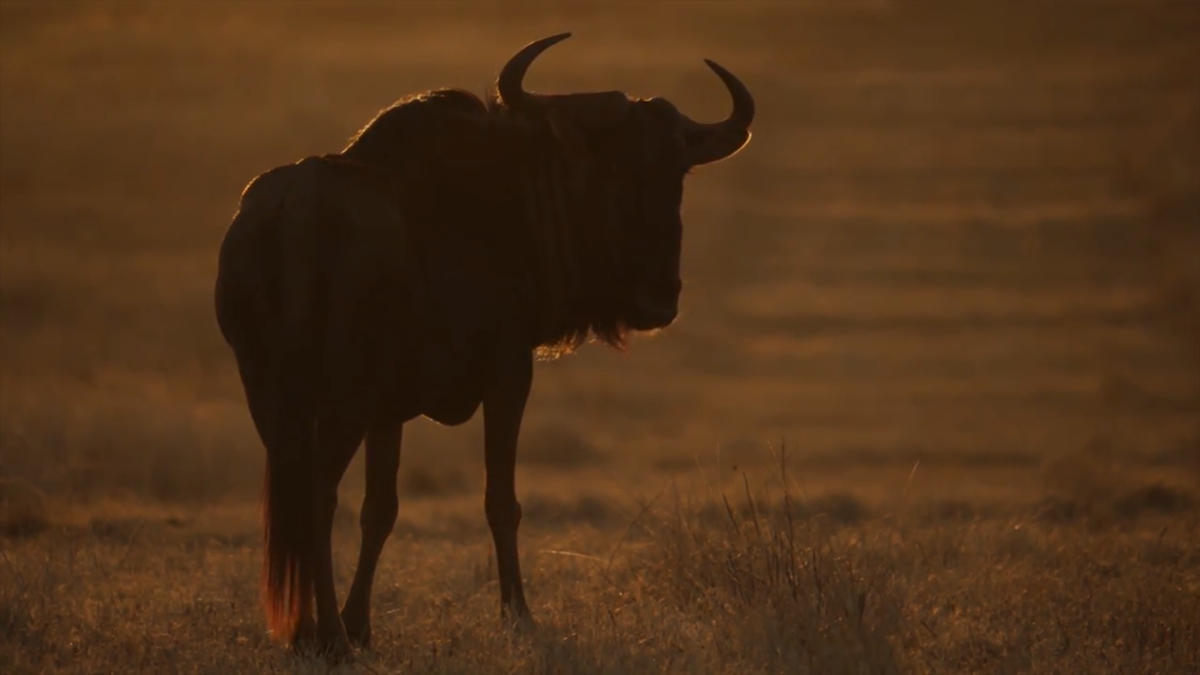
520	622
334	645
330	646
359	635
525	625
337	651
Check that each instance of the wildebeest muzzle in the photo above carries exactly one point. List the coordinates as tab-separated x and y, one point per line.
654	309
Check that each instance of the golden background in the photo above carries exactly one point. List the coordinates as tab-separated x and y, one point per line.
965	234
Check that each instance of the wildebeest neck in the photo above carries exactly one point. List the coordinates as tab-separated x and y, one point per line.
505	184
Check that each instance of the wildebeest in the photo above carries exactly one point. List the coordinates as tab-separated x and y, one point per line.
420	272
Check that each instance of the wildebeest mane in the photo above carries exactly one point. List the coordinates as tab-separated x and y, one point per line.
389	136
467	163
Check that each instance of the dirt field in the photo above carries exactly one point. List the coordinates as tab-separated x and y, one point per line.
933	405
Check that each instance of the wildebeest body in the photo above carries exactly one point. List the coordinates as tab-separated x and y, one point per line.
418	272
416	310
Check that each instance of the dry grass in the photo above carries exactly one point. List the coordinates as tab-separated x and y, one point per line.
753	579
962	241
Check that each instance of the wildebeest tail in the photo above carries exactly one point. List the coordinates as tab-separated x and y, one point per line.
289	511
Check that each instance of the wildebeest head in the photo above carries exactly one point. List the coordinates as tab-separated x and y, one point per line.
634	155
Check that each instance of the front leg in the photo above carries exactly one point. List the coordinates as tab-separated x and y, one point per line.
503	407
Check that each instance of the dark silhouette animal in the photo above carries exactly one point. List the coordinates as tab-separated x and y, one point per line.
422	271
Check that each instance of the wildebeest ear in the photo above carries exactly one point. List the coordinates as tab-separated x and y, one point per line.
570	137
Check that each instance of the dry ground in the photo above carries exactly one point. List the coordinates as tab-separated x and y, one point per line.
957	272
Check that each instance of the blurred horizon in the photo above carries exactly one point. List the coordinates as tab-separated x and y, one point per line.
932	403
962	231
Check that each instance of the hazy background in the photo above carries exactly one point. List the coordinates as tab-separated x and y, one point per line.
957	272
964	232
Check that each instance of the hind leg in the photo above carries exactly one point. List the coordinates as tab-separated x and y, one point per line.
337	440
380	507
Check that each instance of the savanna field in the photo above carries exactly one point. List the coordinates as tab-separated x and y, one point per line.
932	405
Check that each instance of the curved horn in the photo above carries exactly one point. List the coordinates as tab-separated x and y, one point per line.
510	84
594	109
708	143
